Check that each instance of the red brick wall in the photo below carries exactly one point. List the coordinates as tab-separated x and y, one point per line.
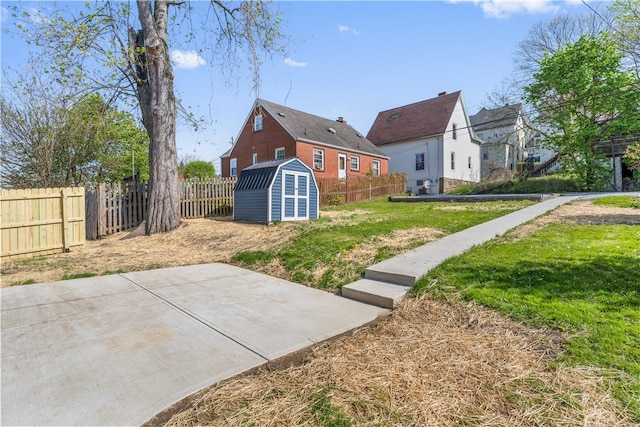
305	153
273	136
263	142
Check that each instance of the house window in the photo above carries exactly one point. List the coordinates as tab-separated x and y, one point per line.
485	155
355	163
420	183
453	160
469	162
257	123
318	159
255	158
233	164
376	168
455	131
420	161
279	153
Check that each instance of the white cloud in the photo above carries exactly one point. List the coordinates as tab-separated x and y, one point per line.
290	62
345	29
504	8
34	16
189	59
5	14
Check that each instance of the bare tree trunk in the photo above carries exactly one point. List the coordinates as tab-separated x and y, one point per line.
158	105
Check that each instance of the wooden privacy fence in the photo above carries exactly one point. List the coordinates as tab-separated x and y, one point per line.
335	191
116	207
207	197
112	208
41	221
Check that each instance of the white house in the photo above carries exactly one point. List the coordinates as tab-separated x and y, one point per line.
503	134
431	141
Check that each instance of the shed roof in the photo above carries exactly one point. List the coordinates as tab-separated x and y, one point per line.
418	120
308	127
259	175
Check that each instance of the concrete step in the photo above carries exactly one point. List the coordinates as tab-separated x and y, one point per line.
382	294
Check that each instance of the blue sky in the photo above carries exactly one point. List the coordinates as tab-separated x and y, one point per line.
354	59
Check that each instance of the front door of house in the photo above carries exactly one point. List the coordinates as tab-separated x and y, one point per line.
342	166
295	196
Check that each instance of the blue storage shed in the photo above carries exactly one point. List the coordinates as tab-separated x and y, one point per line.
276	190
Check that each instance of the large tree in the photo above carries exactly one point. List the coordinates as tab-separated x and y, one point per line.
127	54
545	37
583	93
50	138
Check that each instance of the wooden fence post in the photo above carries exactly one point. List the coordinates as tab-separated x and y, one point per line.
65	220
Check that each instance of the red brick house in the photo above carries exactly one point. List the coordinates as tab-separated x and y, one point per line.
331	148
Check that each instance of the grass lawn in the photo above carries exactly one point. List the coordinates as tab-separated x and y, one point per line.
581	279
336	249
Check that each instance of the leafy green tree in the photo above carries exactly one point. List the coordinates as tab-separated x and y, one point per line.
103	46
51	139
627	31
632	158
199	169
582	92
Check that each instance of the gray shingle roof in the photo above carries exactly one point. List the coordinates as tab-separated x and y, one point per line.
496	117
308	127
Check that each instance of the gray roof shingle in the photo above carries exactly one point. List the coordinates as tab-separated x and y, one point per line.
496	117
308	127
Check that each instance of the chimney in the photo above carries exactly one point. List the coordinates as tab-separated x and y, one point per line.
341	120
442	93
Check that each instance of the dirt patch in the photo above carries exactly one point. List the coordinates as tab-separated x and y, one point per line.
196	241
580	212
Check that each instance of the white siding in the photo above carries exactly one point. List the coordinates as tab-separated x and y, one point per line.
463	147
402	158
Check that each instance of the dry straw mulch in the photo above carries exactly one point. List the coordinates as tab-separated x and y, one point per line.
195	241
428	363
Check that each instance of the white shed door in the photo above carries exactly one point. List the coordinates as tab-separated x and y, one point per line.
295	196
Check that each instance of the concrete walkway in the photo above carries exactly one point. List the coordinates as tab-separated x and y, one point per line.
116	350
387	282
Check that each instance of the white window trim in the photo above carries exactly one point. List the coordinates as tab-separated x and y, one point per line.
423	161
255	158
454	132
375	170
357	159
276	153
257	123
321	153
233	165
